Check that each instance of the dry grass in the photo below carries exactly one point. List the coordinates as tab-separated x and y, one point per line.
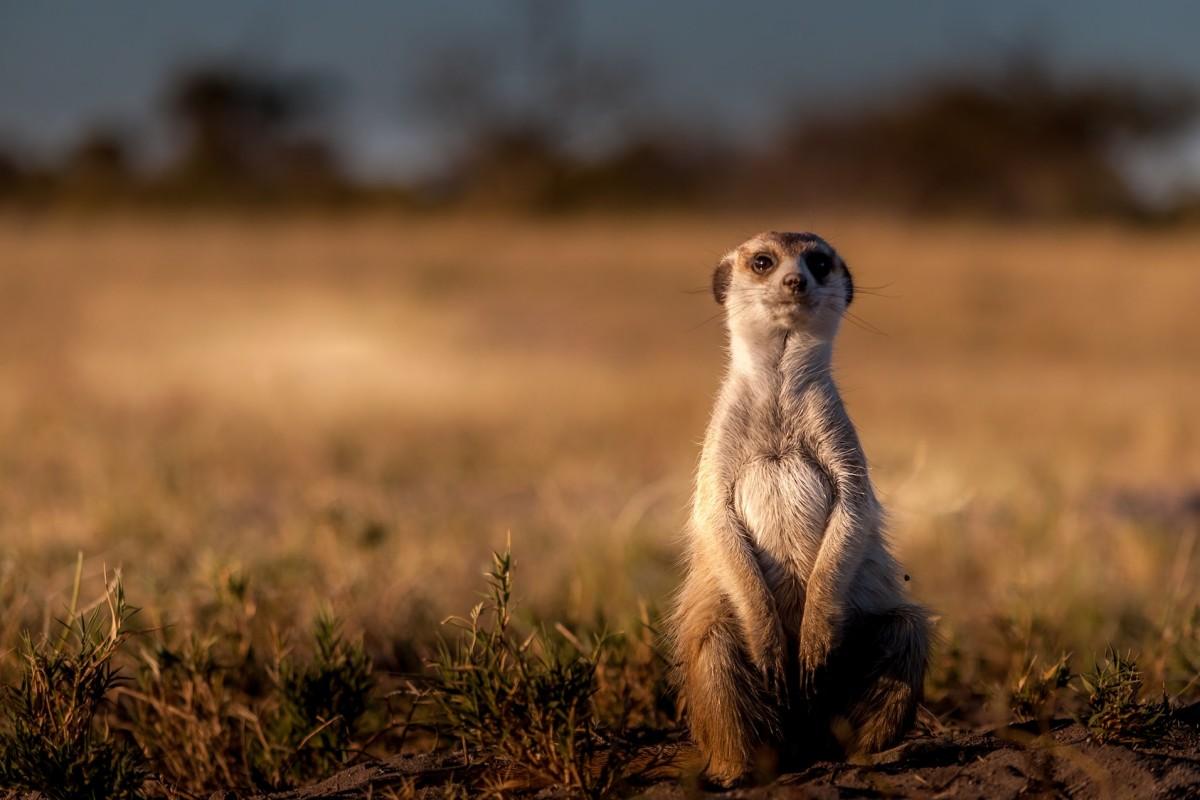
286	416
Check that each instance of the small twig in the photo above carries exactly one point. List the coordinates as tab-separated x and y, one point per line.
74	607
572	638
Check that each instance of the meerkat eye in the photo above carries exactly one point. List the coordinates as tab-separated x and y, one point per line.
819	264
762	263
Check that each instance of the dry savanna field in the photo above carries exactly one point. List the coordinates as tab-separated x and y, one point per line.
254	423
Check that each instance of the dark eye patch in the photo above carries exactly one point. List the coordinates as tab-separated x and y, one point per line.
819	264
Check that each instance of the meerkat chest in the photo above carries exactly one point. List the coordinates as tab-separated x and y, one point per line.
785	501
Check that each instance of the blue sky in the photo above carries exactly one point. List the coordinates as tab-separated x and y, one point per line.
722	66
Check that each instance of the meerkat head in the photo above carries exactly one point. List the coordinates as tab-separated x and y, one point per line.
783	282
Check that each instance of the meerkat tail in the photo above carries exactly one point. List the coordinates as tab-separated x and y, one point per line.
888	706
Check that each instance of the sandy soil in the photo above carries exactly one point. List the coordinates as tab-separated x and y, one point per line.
1008	763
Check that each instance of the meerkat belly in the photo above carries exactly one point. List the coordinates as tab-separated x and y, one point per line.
785	504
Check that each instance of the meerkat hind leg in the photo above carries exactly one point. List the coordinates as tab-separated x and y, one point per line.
728	717
885	665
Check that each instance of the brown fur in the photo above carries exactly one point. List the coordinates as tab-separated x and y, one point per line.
792	631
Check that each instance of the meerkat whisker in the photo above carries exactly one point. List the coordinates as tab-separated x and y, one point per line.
862	323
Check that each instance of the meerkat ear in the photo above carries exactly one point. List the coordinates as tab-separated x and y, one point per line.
722	277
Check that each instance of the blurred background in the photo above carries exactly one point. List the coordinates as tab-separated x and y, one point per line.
309	304
538	105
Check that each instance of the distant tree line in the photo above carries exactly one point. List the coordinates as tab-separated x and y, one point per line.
1015	142
241	137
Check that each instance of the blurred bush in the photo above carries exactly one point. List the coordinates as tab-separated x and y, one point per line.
1013	141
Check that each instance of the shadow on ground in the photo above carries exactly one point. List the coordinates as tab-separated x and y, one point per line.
1006	763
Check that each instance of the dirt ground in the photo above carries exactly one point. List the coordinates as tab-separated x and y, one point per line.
1007	763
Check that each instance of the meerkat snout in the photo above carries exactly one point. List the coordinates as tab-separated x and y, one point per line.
795	283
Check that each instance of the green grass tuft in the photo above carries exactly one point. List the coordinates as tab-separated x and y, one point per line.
53	738
323	702
1035	692
529	700
1114	710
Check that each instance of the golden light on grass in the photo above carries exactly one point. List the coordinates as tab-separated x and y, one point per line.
354	414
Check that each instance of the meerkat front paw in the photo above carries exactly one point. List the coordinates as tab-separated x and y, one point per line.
770	659
818	638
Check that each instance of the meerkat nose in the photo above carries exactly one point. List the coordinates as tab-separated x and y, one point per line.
795	283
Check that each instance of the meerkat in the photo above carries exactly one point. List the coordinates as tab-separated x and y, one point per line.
792	630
